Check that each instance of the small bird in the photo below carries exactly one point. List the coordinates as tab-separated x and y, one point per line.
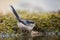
23	24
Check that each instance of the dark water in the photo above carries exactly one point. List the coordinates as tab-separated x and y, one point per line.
25	37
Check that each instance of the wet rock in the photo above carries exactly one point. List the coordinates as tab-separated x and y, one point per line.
58	33
35	33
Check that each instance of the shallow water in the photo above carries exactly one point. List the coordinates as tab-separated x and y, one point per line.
26	37
34	38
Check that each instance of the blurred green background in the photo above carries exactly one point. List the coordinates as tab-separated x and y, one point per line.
49	21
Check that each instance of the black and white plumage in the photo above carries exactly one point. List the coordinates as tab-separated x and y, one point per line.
23	24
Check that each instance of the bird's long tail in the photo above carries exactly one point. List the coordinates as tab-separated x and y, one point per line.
15	13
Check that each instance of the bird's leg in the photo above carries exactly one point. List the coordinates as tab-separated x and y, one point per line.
30	36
